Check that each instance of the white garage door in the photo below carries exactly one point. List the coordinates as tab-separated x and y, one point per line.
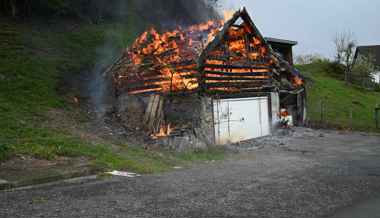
241	119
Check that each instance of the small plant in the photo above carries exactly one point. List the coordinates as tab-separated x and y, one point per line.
4	151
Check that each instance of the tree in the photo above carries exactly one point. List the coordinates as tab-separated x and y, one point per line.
308	59
13	5
345	45
16	8
363	69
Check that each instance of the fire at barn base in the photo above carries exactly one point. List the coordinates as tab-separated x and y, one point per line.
214	83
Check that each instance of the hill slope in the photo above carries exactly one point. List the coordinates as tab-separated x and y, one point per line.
340	101
34	58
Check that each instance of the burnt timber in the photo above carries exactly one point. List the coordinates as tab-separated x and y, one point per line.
238	59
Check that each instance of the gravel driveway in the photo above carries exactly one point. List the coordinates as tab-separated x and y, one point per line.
313	174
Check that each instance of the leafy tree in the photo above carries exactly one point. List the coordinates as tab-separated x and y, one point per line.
363	69
345	51
308	59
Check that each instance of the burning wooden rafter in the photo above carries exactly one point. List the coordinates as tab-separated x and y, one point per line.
238	59
213	58
229	56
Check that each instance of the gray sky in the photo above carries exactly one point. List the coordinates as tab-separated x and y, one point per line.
314	24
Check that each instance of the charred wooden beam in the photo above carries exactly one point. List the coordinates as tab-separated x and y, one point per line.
217	58
183	63
191	76
235	79
149	81
184	70
218	38
245	16
154	113
251	67
225	91
237	26
238	85
141	87
146	92
168	52
221	73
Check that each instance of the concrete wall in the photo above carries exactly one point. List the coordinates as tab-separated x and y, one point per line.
275	103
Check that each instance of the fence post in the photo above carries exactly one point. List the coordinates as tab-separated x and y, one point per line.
322	111
351	117
377	118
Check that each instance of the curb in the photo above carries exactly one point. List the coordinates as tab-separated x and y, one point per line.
4	185
49	180
75	180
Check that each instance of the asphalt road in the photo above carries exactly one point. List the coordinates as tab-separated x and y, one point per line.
312	175
367	209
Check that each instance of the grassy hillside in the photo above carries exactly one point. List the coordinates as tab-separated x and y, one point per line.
36	117
34	57
339	100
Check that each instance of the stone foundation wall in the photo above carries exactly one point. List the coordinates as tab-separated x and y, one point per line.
131	110
194	116
190	116
207	120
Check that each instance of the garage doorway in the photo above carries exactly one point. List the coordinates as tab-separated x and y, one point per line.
241	119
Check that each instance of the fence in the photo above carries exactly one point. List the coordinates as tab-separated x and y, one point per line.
377	117
345	114
363	81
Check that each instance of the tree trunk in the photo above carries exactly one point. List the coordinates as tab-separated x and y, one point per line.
13	7
346	76
363	81
27	8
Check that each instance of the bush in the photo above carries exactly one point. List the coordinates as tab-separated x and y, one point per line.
4	151
308	59
330	68
377	88
335	70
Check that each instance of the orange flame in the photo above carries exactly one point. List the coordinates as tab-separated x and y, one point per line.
167	62
161	53
227	15
164	132
297	81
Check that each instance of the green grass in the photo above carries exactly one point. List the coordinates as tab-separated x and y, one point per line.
339	99
143	161
104	158
34	57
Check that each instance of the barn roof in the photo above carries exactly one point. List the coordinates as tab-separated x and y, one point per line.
370	50
243	14
174	61
281	41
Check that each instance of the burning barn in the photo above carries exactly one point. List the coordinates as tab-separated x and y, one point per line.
213	83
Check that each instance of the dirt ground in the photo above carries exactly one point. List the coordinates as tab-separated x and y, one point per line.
307	174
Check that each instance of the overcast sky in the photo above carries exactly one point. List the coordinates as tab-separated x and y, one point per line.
314	24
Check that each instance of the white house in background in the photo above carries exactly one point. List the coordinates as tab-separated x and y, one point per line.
376	76
372	51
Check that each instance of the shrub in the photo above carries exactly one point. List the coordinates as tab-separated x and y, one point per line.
4	151
335	70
